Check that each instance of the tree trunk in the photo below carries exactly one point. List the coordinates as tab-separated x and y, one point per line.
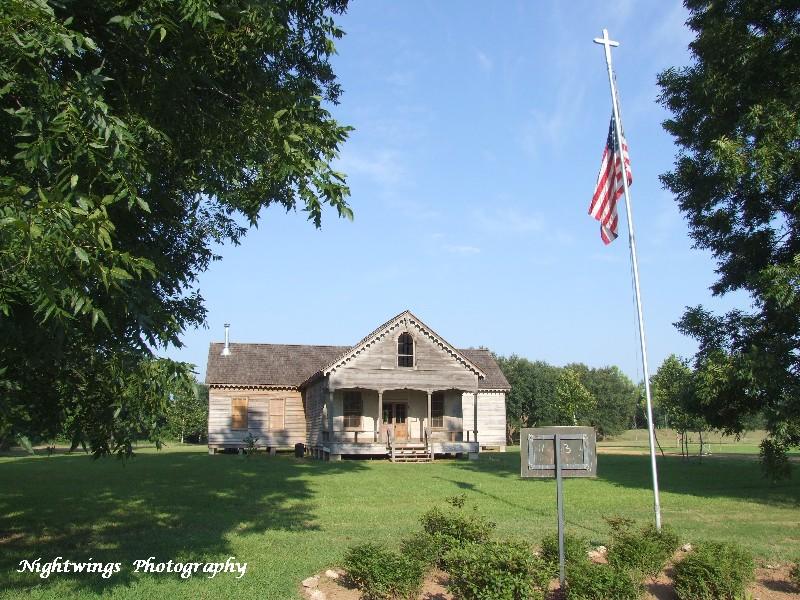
701	445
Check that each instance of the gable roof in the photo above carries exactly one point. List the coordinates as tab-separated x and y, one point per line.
374	336
273	365
291	365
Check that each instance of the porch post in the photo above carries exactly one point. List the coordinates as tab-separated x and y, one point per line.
429	429
475	417
329	405
379	420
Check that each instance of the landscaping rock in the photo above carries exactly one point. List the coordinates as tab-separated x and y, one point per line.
311	582
598	554
331	574
315	594
686	548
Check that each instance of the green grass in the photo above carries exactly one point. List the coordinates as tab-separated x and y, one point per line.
289	518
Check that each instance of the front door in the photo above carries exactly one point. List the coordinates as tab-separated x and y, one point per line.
396	414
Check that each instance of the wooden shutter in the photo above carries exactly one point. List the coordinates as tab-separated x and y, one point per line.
277	413
238	413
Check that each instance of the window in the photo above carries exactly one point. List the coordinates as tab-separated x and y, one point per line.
437	410
352	410
238	413
276	414
405	350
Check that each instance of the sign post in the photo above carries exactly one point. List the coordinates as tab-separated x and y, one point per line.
560	452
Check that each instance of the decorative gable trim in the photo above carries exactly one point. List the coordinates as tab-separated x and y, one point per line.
405	320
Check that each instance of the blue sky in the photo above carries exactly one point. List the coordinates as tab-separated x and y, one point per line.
479	128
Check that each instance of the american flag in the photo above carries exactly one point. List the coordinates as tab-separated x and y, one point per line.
609	186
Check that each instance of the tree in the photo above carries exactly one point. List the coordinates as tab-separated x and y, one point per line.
616	397
735	114
187	415
575	402
674	393
135	138
532	399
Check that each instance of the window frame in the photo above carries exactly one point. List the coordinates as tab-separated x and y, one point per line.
272	424
243	421
353	415
413	353
435	398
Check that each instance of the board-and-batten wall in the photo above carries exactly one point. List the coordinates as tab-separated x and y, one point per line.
272	430
491	417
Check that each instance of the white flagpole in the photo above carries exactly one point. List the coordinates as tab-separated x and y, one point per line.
607	43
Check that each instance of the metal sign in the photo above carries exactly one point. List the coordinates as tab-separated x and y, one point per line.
578	455
558	452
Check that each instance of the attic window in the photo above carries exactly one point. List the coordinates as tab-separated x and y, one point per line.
405	350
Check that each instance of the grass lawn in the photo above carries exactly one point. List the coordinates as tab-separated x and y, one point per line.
289	518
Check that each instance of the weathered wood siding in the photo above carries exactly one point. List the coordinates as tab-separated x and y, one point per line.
314	401
288	429
491	417
375	367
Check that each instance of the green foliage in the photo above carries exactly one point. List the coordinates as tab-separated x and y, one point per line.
574	402
575	550
615	395
714	571
134	139
187	415
452	528
794	574
676	395
644	551
250	442
774	460
590	581
495	571
735	179
383	575
532	399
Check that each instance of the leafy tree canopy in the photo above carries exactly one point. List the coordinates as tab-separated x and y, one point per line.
736	120
574	402
616	398
133	138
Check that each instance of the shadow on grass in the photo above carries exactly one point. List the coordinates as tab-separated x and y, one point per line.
714	477
175	505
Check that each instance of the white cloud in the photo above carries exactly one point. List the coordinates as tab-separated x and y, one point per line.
484	61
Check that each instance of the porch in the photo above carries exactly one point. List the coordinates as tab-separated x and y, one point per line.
405	425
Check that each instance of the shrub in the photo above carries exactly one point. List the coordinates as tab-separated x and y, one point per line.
590	581
383	575
575	549
714	571
424	546
643	550
250	441
794	574
453	528
495	571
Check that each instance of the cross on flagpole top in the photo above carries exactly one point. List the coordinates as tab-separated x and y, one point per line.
608	43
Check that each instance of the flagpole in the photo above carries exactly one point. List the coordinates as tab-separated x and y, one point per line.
607	43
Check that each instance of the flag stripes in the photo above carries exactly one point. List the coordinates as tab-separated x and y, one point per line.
609	186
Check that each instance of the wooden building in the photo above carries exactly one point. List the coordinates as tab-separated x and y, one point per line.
403	391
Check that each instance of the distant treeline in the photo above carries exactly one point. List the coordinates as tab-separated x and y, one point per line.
543	394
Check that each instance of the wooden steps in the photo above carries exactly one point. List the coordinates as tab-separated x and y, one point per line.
410	453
